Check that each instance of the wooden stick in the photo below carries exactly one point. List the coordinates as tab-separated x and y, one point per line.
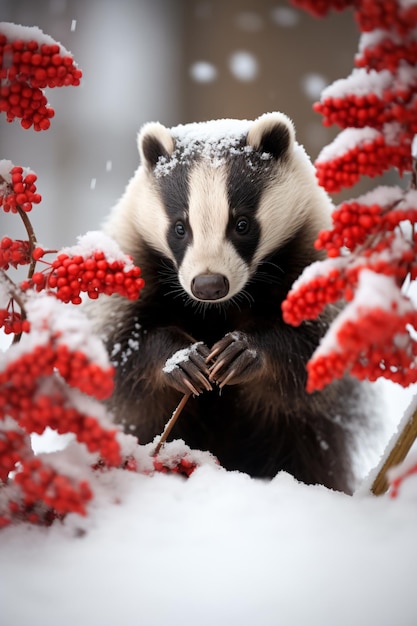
398	453
170	424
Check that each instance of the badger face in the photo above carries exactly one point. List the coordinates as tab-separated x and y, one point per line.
220	197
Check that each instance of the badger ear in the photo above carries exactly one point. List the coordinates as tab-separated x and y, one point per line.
272	133
154	141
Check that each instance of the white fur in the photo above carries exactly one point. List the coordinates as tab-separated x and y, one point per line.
210	252
294	199
139	210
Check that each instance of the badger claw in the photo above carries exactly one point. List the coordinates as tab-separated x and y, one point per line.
187	369
234	360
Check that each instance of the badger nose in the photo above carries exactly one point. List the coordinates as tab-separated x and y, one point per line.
210	286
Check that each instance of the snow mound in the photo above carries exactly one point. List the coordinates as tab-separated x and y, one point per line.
218	548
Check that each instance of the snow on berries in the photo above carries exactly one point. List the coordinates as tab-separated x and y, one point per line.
372	245
56	372
29	62
94	266
371	338
377	104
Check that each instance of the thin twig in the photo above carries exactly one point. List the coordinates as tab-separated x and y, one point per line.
171	422
32	239
13	290
398	453
32	245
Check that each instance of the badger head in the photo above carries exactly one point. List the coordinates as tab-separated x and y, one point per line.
217	198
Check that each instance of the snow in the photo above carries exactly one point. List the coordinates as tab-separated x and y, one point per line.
203	72
65	324
96	240
377	36
181	356
348	139
313	84
361	82
285	17
218	548
244	65
374	291
30	33
5	167
211	139
382	195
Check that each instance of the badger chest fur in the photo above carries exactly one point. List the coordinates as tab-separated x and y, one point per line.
221	217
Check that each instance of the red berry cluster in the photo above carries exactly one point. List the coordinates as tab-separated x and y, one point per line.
36	513
183	466
56	412
42	483
357	222
20	191
176	464
320	8
14	253
382	95
370	158
14	446
70	275
21	381
307	300
383	249
12	322
358	111
388	53
369	14
386	14
26	67
376	344
352	223
353	110
80	372
75	367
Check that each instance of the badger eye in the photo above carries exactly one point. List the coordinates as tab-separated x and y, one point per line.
242	225
179	229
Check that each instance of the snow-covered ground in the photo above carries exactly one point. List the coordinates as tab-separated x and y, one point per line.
217	548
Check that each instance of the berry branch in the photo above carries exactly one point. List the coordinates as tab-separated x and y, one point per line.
171	423
372	245
56	372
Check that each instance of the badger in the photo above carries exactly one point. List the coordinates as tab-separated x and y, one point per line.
221	217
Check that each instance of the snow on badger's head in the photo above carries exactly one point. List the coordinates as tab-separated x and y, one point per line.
219	197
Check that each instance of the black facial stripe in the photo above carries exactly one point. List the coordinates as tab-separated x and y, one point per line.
248	176
174	190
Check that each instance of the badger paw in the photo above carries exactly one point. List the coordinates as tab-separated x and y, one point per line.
234	360
187	369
